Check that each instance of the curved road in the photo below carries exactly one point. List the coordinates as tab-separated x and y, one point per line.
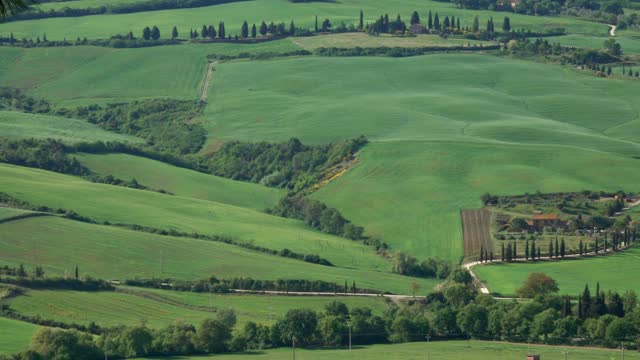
612	30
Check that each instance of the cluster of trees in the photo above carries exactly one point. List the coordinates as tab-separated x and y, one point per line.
317	215
124	8
214	284
289	165
20	271
545	7
116	41
398	51
149	33
430	268
59	283
577	56
46	154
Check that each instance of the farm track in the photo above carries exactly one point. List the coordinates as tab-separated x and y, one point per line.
164	299
207	81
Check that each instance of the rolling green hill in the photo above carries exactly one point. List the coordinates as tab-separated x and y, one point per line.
115	75
123	205
18	125
445	129
8	213
233	14
112	253
614	272
182	182
114	308
15	335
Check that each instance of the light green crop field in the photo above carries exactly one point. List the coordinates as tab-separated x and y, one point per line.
15	335
18	125
182	182
614	272
83	75
351	40
630	45
123	205
113	308
112	253
266	309
445	129
81	4
233	14
441	350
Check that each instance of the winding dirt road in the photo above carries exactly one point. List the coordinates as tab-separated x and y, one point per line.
612	30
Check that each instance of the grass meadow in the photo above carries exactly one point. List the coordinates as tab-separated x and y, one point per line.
352	40
84	75
108	252
8	213
15	335
18	125
614	272
444	129
123	205
233	14
441	350
630	44
115	308
183	182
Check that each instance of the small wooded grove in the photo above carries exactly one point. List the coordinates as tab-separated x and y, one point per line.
454	311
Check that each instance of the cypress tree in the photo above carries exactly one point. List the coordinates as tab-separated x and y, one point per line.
292	29
155	33
566	307
346	287
526	250
502	247
481	253
580	248
174	33
491	256
195	34
415	18
205	31
515	250
562	248
506	24
539	253
263	29
353	287
509	252
146	33
550	249
595	246
447	25
533	250
254	31
557	248
244	30
430	21
488	26
385	23
361	24
77	273
212	32
436	22
316	27
586	302
476	24
458	24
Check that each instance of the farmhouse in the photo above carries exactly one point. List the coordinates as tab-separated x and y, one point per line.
540	221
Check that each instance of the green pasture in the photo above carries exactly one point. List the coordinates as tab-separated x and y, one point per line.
109	252
351	40
83	75
15	335
614	272
81	4
18	125
124	205
265	308
630	45
8	213
445	130
182	182
233	14
441	350
114	308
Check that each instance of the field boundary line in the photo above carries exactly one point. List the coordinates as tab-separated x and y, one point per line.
24	216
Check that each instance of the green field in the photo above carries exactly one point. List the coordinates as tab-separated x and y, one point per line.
441	136
351	40
8	213
83	75
111	253
18	125
629	44
614	272
123	205
114	308
233	14
444	350
183	182
15	335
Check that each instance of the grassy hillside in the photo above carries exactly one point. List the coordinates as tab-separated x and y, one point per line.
182	182
445	129
113	308
115	75
7	213
15	335
124	205
351	40
445	350
233	14
629	44
112	253
615	272
17	125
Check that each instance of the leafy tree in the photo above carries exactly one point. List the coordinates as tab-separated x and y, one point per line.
619	329
227	317
332	329
473	320
326	25
506	24
51	343
146	33
155	33
544	323
137	341
213	336
301	323
538	284
174	33
612	47
415	18
519	224
263	29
